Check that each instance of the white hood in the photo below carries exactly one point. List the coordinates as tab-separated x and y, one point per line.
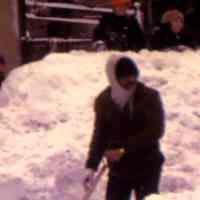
119	95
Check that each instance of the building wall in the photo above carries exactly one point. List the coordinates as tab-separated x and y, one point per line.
9	34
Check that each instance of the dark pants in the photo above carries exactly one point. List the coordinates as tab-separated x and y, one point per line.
120	189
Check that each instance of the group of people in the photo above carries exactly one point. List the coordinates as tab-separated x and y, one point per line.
130	116
123	30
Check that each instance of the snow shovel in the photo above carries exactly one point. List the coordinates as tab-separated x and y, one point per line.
97	178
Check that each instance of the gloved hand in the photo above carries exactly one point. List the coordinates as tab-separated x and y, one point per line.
182	48
114	154
89	179
99	45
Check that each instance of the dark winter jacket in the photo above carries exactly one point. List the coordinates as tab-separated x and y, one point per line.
120	32
164	38
192	19
138	131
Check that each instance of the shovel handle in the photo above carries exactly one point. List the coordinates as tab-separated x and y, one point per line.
97	178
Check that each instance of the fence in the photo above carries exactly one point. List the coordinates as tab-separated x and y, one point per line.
49	30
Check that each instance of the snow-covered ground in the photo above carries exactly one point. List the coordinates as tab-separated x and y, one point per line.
46	121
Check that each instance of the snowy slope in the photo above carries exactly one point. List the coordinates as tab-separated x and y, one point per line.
47	118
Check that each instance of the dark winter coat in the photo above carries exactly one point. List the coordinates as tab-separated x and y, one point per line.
138	131
164	38
192	19
120	32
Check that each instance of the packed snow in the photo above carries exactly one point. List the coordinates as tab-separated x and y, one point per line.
46	112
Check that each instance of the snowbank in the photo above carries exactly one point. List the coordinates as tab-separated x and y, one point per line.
47	118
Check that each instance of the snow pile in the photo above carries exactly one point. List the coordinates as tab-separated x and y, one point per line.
192	195
46	112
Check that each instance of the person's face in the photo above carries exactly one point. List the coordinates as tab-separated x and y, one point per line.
177	25
128	83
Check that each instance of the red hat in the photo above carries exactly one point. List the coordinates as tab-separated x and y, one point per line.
121	3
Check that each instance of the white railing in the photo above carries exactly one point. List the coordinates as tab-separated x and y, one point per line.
60	19
68	6
57	40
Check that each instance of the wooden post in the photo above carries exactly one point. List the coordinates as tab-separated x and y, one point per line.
10	34
149	15
21	17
